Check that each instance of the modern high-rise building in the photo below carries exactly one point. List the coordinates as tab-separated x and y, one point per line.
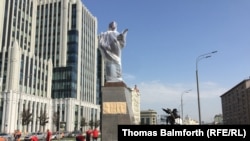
48	65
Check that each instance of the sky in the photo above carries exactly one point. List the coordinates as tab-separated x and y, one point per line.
164	40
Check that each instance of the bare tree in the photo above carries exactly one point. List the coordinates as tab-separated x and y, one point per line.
56	120
26	117
43	119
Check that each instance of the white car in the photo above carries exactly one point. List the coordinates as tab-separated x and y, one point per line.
7	136
74	133
56	135
39	135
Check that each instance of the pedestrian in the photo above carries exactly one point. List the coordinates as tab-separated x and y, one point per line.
80	137
88	134
18	135
33	138
95	134
3	139
14	134
49	135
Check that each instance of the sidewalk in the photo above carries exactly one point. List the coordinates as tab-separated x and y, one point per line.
65	139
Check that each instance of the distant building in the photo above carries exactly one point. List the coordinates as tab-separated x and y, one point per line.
161	119
218	119
148	117
189	121
236	104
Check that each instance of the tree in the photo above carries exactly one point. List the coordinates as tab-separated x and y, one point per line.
97	123
91	123
43	119
56	120
83	122
94	124
26	117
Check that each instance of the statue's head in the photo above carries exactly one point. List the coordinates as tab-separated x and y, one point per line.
112	26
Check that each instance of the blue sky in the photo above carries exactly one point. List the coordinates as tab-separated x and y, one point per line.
164	39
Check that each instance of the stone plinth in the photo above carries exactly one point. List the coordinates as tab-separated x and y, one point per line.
116	109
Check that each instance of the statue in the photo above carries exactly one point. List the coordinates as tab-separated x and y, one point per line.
110	44
172	116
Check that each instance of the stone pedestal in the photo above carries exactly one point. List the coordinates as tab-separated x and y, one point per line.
116	109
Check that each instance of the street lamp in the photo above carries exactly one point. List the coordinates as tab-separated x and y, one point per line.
203	56
187	91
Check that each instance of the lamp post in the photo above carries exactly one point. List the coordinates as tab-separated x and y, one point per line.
203	56
187	91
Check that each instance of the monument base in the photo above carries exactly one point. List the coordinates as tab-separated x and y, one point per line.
116	109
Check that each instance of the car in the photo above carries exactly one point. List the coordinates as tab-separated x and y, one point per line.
66	133
39	135
74	133
56	135
7	136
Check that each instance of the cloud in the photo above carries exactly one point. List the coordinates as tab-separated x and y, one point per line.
157	95
211	90
128	77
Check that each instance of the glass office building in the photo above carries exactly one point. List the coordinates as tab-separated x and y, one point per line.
48	64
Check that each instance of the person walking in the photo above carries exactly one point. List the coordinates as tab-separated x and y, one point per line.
33	138
49	135
80	137
18	135
95	134
88	134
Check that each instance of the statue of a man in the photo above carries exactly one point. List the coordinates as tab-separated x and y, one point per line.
110	44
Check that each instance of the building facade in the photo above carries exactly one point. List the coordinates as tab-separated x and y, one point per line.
136	102
148	117
48	64
189	121
236	104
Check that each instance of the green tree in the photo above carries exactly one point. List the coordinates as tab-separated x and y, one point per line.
91	124
94	124
83	122
97	123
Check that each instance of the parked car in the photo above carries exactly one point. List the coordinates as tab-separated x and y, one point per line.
9	137
39	135
66	133
74	133
56	135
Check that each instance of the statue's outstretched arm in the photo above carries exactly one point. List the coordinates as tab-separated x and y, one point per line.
125	32
122	38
